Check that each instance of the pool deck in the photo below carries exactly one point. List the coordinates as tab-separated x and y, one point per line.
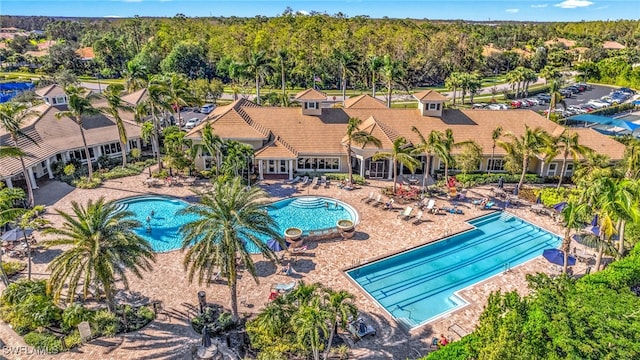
379	233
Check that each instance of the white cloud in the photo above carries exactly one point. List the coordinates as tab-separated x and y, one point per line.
113	16
512	11
539	6
302	12
572	4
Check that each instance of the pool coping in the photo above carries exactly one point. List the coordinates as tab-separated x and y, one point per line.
456	293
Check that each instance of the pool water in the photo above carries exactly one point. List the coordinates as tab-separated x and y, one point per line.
419	285
306	212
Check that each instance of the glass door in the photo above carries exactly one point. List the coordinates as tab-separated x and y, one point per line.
376	169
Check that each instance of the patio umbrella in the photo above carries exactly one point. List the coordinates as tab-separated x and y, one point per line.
539	199
16	234
556	256
274	245
560	206
593	226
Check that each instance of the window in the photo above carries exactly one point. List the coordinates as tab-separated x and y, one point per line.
569	170
113	148
79	154
495	165
552	169
311	105
59	100
326	164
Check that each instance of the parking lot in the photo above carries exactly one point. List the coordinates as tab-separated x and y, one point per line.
596	92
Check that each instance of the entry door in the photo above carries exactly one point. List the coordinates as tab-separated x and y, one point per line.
376	169
277	167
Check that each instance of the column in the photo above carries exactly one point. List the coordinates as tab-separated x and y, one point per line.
362	167
8	182
260	174
49	168
290	169
97	151
32	178
138	145
390	177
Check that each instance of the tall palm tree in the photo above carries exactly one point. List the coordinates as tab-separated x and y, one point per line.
348	65
281	62
311	324
528	77
10	151
114	107
79	104
229	218
432	144
357	137
567	144
402	153
237	72
392	71
212	143
453	82
178	94
556	98
12	118
375	64
448	145
259	65
495	135
339	305
527	145
155	105
572	215
516	77
136	76
102	249
632	159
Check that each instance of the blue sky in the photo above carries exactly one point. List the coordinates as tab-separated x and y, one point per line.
523	10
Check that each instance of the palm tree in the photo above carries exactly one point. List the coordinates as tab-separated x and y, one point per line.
10	151
31	220
528	77
311	324
402	152
102	248
433	144
155	104
79	104
556	98
448	144
453	82
550	73
348	64
135	77
375	64
281	61
391	71
340	306
259	65
178	94
632	159
12	118
572	215
567	144
212	143
515	77
237	72
229	218
529	144
495	135
115	105
357	137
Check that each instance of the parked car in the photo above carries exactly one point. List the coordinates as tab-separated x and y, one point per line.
626	90
206	109
191	123
479	106
597	104
516	104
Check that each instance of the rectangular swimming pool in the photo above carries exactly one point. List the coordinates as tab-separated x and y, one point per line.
419	285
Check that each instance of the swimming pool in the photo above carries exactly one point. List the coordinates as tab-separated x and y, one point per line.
305	212
419	285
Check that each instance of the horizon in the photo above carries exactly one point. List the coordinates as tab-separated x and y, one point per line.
448	10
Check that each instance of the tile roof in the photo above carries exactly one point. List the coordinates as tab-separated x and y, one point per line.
135	97
429	95
277	149
324	134
599	143
49	89
364	101
613	45
310	94
566	42
232	121
86	53
55	135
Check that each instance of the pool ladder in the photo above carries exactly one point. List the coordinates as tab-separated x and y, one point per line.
506	268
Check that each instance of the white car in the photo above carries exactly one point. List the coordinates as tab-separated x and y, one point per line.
597	104
207	108
191	123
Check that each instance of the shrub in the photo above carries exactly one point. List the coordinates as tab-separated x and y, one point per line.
135	154
72	340
104	161
162	174
469	180
69	170
26	306
44	341
18	291
342	176
105	323
13	267
74	315
119	172
84	183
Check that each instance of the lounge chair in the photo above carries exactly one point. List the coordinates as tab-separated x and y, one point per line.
406	214
294	180
323	179
431	206
327	183
369	198
359	329
298	250
377	201
305	181
488	206
418	219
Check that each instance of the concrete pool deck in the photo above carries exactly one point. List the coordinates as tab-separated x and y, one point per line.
379	233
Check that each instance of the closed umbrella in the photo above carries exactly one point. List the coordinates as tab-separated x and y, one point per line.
593	227
556	256
560	206
539	199
274	245
206	337
16	234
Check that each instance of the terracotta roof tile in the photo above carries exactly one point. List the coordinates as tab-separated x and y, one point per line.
429	95
48	89
277	149
86	53
613	45
135	97
364	101
310	94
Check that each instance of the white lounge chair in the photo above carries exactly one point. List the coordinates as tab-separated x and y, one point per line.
418	219
323	179
305	181
431	206
314	181
378	200
368	198
406	214
294	180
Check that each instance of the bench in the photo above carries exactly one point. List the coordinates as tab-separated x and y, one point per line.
458	330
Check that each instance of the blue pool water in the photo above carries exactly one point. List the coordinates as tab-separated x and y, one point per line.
419	285
305	212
